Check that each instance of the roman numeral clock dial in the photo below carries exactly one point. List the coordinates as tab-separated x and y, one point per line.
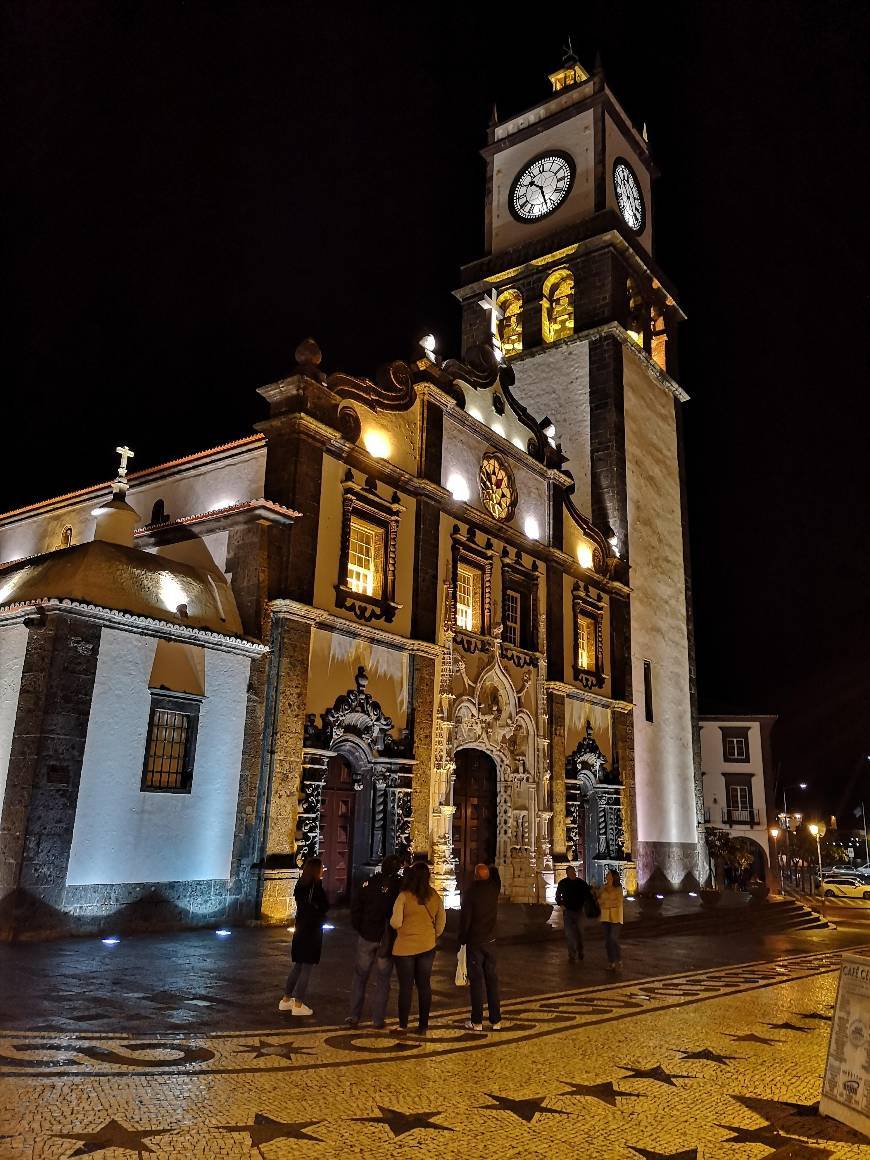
541	187
628	195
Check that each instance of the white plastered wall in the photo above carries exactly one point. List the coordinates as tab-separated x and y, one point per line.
714	768
663	749
124	835
554	381
13	645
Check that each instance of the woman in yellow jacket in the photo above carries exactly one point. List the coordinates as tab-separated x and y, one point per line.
610	901
418	919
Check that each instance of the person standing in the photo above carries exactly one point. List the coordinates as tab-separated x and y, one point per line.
370	912
610	901
571	895
418	918
477	925
311	908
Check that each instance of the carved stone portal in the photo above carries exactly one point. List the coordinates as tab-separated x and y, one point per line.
594	811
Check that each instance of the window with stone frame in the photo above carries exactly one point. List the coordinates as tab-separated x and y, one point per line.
367	556
510	326
588	609
170	748
735	743
471	583
519	603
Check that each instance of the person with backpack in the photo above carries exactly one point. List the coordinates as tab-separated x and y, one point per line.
572	894
610	901
311	908
370	913
419	920
477	924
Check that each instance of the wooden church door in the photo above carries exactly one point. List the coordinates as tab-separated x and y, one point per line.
474	822
337	810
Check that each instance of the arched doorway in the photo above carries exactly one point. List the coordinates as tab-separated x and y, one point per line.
337	817
476	816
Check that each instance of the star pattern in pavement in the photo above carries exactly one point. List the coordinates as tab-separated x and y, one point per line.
686	1154
657	1073
813	1015
401	1122
707	1054
280	1050
787	1026
766	1134
796	1150
112	1135
751	1037
800	1120
264	1130
605	1092
525	1109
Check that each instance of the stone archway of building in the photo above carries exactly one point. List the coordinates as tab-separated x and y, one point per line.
338	811
475	821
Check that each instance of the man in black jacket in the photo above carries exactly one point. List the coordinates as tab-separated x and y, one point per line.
477	923
370	916
571	895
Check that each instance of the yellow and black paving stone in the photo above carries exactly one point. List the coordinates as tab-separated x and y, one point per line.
716	1062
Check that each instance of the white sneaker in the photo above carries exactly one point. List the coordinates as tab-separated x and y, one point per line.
285	1004
495	1026
469	1026
300	1009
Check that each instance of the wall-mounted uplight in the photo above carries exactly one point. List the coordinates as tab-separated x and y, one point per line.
223	932
584	554
328	926
457	485
110	941
376	443
224	503
171	593
429	346
550	429
532	528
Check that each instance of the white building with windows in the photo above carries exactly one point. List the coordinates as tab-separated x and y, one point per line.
738	777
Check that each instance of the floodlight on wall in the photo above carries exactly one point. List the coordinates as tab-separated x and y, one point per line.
584	554
532	528
429	346
457	485
172	594
376	443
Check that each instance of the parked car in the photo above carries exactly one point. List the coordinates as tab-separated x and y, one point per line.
845	886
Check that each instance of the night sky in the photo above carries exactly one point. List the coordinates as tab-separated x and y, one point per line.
190	189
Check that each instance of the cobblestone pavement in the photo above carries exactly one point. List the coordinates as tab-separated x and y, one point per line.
718	1062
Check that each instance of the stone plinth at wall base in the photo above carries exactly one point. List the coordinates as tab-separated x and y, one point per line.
276	903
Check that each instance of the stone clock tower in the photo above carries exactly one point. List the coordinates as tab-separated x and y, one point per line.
569	294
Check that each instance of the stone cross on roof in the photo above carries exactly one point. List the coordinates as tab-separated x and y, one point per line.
120	481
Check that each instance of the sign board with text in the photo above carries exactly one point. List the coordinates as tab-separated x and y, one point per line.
846	1087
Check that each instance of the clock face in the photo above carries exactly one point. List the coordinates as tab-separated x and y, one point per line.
541	187
628	195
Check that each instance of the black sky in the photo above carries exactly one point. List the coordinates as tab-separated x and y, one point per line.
191	188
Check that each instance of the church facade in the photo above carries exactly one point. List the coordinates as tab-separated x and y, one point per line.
444	611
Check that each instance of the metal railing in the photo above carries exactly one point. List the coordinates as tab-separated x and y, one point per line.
740	817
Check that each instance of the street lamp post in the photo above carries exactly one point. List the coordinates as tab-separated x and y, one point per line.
787	822
815	831
774	833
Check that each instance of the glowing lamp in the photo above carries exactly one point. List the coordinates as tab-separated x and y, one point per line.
222	933
532	528
457	485
550	430
660	896
328	926
6	590
224	503
693	894
774	832
802	785
376	443
584	554
428	344
171	593
517	443
111	941
813	829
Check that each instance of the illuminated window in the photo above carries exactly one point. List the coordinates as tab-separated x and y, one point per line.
66	537
468	597
511	633
510	326
557	307
586	644
659	338
368	551
171	745
365	558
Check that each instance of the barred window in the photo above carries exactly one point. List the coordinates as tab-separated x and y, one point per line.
365	559
468	594
511	633
169	752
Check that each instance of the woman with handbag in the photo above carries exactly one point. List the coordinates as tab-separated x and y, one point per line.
610	901
311	908
418	919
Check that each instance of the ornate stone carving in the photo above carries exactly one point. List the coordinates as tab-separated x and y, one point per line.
593	808
356	714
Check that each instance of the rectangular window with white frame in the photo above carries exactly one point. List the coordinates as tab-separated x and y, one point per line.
469	587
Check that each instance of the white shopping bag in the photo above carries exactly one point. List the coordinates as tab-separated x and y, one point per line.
461	968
